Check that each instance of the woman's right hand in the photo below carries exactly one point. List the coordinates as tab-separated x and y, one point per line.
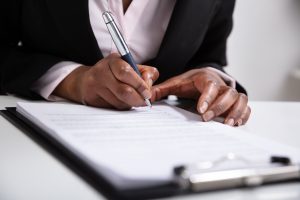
110	83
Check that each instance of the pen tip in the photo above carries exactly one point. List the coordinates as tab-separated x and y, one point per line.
148	103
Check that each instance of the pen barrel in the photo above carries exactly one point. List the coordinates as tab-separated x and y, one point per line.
129	59
119	41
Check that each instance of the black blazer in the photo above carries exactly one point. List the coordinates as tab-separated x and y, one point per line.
37	34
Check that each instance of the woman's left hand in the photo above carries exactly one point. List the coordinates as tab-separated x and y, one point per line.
214	97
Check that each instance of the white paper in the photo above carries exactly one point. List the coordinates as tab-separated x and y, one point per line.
141	146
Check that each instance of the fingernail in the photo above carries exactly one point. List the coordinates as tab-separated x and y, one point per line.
146	94
239	122
230	122
203	107
208	116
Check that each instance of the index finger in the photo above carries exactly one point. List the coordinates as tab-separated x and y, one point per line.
224	102
169	87
209	94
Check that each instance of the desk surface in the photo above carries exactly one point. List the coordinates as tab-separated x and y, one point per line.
28	172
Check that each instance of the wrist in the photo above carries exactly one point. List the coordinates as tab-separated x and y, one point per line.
226	78
70	87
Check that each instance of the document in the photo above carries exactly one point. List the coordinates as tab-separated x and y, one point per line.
142	146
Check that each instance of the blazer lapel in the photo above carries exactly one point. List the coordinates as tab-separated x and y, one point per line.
72	21
184	35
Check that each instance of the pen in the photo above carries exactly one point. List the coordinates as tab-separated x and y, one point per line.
121	44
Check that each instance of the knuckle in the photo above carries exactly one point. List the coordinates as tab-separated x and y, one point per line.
124	68
212	83
141	86
233	91
126	92
89	81
124	71
154	70
243	96
219	109
212	86
236	113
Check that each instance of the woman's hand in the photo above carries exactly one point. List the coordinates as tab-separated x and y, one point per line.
110	83
214	97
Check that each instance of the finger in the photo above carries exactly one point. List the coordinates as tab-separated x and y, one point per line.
124	73
98	94
245	116
127	94
96	101
108	96
237	110
155	94
222	103
163	90
208	96
149	74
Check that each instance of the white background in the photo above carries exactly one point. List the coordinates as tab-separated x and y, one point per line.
264	48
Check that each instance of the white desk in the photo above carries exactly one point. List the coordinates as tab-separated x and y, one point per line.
28	172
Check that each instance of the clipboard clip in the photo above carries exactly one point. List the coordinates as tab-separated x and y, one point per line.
204	176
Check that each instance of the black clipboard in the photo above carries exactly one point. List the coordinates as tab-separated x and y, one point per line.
181	185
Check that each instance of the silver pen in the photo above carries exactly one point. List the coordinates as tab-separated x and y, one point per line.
121	44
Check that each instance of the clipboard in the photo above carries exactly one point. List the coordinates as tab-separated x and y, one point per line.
188	179
81	168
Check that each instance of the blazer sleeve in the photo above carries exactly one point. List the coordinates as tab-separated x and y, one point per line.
213	49
20	67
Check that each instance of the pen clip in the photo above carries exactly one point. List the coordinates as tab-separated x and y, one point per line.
115	33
